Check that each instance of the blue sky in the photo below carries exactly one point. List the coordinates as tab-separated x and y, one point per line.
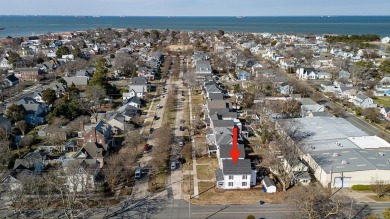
196	7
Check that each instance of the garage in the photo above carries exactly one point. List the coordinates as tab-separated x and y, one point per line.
342	182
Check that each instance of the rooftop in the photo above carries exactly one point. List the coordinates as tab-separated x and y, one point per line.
241	167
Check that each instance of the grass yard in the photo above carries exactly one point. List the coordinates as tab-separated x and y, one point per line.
209	195
205	172
383	101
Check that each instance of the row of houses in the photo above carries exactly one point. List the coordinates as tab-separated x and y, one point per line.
221	118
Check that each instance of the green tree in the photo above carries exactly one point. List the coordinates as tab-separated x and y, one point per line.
384	67
236	88
273	43
49	96
99	77
63	50
250	217
386	214
146	34
13	58
77	52
15	113
220	33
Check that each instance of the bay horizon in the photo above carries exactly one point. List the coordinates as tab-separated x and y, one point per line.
28	25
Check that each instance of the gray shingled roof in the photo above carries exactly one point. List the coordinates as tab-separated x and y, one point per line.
219	175
224	151
242	167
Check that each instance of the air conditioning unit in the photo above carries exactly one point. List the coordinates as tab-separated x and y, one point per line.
344	162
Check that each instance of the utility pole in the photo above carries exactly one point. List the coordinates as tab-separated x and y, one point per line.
189	201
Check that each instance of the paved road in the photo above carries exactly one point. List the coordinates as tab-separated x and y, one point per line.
181	210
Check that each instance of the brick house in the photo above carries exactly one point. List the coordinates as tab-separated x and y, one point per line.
28	74
100	134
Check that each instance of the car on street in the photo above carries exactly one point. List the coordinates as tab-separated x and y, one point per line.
173	165
151	130
138	173
181	143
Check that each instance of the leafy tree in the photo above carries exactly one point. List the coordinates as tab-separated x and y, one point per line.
386	214
353	38
76	52
220	33
273	43
49	96
15	113
63	50
61	80
146	34
250	217
236	88
99	77
13	58
385	67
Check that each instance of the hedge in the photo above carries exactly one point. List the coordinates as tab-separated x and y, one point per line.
361	187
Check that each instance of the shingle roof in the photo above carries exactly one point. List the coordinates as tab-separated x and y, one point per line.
241	167
224	151
268	182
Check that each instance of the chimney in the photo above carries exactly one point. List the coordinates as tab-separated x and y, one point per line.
94	133
81	126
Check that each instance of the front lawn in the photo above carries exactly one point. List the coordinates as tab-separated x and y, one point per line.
383	101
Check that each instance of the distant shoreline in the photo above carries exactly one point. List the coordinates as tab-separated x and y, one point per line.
20	26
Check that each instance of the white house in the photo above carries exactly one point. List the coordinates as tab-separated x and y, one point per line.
237	175
306	73
81	174
136	90
310	106
364	102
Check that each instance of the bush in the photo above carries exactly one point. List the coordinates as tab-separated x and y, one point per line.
361	187
250	217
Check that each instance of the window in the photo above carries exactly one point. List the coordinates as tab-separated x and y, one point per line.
244	184
230	184
230	177
244	177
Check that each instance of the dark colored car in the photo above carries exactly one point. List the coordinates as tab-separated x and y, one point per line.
151	130
146	147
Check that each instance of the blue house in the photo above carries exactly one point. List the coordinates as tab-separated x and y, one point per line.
243	75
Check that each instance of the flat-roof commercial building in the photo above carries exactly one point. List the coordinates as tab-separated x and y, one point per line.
340	154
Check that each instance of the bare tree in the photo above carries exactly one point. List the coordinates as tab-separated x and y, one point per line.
95	97
5	133
288	144
338	111
133	139
380	187
371	114
313	202
22	126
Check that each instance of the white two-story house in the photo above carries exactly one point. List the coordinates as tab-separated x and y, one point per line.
364	102
237	175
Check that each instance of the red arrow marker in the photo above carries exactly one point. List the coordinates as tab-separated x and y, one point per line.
235	153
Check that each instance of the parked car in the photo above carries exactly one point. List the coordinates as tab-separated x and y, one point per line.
173	165
138	173
151	130
181	143
146	147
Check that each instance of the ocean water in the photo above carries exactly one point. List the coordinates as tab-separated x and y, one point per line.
16	26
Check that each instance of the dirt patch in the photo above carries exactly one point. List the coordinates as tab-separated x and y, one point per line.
157	183
179	47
